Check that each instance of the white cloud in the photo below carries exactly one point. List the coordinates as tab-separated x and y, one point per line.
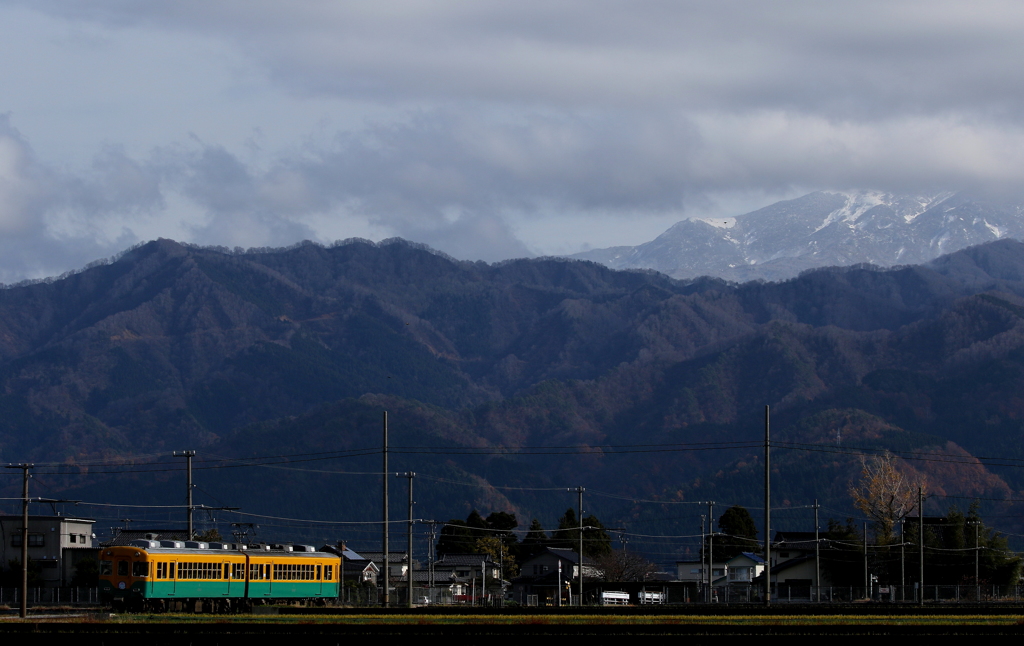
486	129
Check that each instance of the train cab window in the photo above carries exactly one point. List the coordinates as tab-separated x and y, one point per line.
122	568
140	568
106	568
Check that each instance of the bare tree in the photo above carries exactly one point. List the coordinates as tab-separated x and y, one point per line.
618	565
885	493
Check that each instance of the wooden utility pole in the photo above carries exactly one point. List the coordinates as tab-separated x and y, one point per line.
24	534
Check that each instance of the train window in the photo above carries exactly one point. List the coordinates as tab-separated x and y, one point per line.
122	568
140	568
106	568
318	573
328	573
161	570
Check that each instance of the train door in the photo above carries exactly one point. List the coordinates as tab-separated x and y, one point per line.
226	574
270	578
319	579
172	575
122	572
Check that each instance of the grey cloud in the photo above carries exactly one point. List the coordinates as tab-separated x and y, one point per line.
841	59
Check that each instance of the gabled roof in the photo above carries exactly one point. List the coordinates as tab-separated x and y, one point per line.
393	557
563	554
758	560
463	560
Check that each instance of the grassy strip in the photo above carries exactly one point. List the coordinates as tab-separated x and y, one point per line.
570	620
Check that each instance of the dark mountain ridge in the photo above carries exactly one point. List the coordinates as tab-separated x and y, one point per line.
297	351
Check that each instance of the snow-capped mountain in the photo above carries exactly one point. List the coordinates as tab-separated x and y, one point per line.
819	230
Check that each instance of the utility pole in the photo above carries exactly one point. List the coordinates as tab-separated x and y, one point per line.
867	581
977	585
817	555
767	512
430	557
903	559
579	493
188	455
920	544
387	565
24	466
410	475
703	568
711	552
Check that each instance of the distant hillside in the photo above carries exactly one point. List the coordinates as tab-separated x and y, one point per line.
820	230
492	374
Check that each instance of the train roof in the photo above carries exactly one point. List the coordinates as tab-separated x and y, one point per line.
198	548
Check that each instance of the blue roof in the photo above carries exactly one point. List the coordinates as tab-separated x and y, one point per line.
753	557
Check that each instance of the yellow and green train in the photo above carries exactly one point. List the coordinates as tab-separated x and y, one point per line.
221	577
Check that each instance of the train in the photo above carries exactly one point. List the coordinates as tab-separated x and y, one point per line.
194	576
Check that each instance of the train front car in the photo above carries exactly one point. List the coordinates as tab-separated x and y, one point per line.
213	577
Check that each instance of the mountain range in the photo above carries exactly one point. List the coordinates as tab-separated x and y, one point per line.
822	229
507	384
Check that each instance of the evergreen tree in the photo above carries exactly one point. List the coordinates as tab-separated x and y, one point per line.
596	541
738	533
535	541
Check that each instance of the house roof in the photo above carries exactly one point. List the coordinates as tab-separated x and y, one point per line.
563	554
393	557
749	555
464	560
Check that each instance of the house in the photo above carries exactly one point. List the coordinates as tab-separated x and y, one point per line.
398	564
355	567
462	578
694	571
56	543
743	568
794	569
545	578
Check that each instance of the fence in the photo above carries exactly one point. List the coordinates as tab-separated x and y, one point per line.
52	596
986	593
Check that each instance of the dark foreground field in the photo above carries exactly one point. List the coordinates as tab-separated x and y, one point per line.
709	623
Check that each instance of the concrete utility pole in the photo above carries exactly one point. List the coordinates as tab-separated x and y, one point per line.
188	455
920	544
24	534
767	512
387	566
817	555
703	567
410	475
867	580
711	552
579	493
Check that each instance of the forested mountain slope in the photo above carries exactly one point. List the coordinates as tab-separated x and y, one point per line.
299	350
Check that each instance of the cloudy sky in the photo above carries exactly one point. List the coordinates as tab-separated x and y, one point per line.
487	130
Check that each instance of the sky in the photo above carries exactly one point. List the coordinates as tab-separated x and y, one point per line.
486	130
